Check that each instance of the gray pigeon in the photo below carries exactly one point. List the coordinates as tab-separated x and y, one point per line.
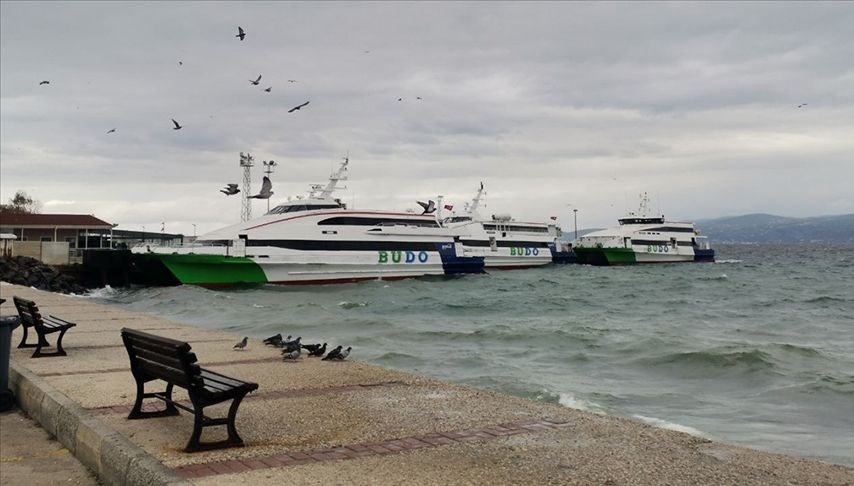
333	354
292	355
266	189
291	345
319	351
242	344
255	82
240	33
344	353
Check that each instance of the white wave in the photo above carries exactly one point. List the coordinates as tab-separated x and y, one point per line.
258	306
569	401
102	293
663	424
728	261
350	305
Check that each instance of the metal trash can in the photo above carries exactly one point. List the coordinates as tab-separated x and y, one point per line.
7	324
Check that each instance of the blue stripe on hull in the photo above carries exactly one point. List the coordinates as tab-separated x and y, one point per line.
453	264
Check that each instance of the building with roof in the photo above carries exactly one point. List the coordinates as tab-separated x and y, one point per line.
55	238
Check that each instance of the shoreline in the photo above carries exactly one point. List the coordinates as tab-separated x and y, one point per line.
415	428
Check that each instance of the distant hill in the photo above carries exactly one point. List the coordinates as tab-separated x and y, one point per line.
768	228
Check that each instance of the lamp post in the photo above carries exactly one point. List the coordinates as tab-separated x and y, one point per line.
575	220
194	230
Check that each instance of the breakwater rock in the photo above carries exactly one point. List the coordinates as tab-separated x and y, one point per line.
30	272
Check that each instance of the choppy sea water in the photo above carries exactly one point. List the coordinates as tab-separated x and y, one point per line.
755	350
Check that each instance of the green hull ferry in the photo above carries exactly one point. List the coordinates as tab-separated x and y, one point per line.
605	256
197	269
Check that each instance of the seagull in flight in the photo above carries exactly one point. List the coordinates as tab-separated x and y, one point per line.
242	344
266	189
292	80
177	126
400	99
240	33
802	105
44	82
429	206
269	89
230	190
417	97
298	107
255	83
112	130
180	63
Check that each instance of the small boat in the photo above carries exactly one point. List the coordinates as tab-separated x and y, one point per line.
641	238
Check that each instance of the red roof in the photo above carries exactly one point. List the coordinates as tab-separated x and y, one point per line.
51	220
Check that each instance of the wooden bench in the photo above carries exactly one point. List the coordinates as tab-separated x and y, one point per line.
159	358
30	316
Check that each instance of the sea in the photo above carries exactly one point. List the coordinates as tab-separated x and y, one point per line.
756	349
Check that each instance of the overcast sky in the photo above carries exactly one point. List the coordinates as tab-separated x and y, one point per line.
553	106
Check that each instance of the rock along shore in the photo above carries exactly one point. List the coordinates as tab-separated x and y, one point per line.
320	422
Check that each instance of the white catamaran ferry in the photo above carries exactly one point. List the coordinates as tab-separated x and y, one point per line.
313	240
641	238
501	241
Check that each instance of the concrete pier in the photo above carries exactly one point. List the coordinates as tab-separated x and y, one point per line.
321	422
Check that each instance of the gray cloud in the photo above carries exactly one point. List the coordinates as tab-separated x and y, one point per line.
549	103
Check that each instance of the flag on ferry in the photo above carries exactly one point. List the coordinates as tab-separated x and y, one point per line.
449	207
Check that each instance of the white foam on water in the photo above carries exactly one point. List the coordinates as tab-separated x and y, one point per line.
728	261
102	293
663	424
569	401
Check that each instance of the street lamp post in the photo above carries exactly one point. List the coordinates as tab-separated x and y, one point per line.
194	230
575	220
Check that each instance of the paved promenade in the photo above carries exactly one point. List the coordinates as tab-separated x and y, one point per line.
321	422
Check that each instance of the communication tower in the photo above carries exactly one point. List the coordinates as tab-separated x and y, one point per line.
246	161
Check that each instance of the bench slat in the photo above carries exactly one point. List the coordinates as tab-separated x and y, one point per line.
216	377
157	370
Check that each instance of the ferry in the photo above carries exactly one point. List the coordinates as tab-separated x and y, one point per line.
500	240
641	238
313	239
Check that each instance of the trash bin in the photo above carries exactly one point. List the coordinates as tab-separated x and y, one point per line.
7	324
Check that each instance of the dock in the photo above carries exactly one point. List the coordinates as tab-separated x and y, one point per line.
322	422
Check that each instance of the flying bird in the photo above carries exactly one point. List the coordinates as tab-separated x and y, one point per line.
417	97
112	130
319	351
292	80
44	82
400	99
429	206
177	126
266	189
298	107
242	344
180	63
802	105
230	190
268	89
333	354
255	83
240	33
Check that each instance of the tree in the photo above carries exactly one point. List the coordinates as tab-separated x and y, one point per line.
21	203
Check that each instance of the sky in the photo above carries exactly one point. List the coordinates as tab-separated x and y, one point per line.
554	106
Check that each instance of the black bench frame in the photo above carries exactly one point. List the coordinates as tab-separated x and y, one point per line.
160	358
30	316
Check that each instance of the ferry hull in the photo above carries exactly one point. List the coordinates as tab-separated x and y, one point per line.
215	270
627	256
